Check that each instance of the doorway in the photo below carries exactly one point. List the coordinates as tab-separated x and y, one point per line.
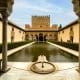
41	37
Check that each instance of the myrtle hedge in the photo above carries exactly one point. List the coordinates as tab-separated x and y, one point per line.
74	46
14	45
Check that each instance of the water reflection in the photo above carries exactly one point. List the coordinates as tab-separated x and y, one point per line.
40	49
52	53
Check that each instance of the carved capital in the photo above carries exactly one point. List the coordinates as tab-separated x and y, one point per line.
9	6
76	6
6	6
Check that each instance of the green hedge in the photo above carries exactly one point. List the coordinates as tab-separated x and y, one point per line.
14	45
74	46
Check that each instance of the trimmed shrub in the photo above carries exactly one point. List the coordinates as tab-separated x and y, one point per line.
74	46
14	45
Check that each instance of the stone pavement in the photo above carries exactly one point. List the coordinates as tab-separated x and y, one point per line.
21	71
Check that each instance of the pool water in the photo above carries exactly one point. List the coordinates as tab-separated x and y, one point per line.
52	53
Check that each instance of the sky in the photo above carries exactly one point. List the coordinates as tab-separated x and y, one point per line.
60	11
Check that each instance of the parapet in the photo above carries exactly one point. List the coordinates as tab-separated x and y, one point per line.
43	17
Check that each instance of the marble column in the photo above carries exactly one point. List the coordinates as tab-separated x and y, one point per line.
0	65
79	43
76	7
4	42
43	36
5	10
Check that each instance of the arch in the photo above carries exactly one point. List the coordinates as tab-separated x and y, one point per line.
26	37
36	37
41	37
71	39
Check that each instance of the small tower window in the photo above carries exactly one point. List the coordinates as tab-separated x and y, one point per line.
71	29
40	26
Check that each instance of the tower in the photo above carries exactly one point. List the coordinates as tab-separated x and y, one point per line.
40	22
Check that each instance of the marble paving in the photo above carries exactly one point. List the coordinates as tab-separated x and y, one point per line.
21	71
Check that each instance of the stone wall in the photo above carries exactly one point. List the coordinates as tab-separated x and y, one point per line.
14	33
69	33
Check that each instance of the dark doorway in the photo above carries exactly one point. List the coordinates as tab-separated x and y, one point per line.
27	37
41	37
71	39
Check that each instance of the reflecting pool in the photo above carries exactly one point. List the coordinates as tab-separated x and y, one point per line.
51	52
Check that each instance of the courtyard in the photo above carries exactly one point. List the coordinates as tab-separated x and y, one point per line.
45	49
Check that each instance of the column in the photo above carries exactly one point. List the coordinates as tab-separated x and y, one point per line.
38	37
76	7
79	43
0	65
43	36
4	42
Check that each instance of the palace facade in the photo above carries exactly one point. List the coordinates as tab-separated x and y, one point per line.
41	29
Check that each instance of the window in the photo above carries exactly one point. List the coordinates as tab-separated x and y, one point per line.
71	29
71	39
31	34
40	26
62	31
19	31
12	39
12	29
27	37
50	35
